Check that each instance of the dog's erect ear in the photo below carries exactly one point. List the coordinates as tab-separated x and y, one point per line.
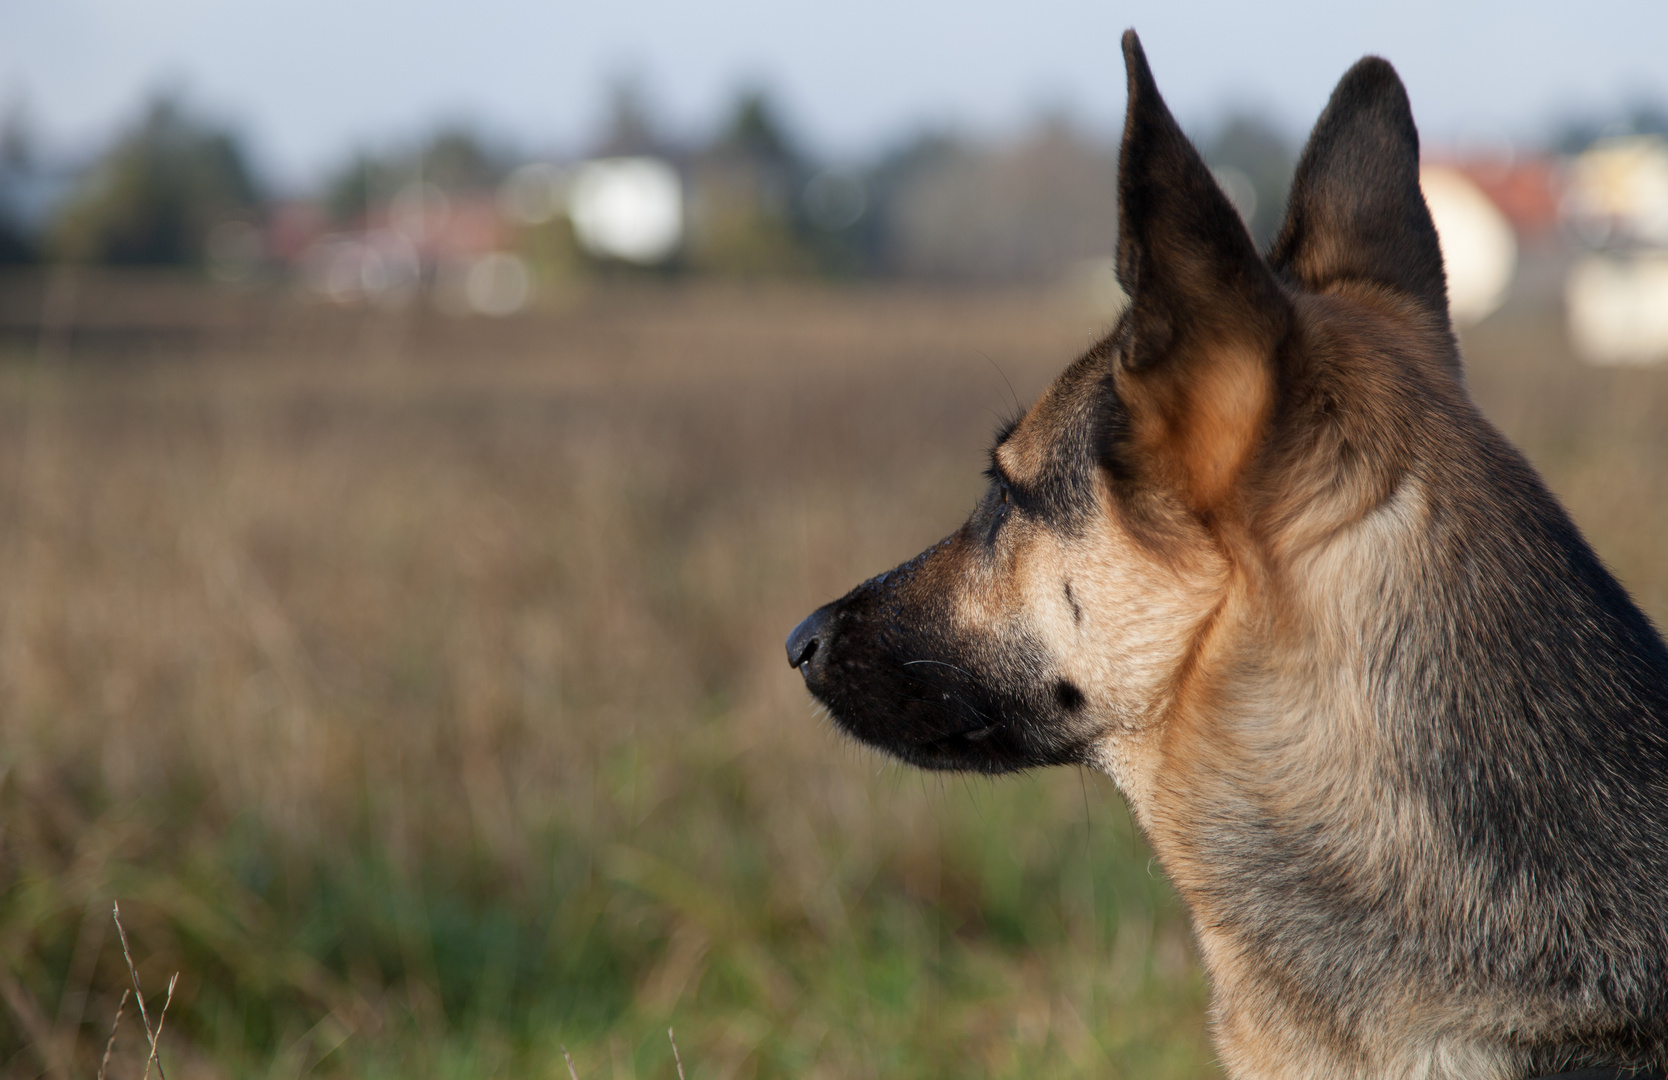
1206	314
1356	211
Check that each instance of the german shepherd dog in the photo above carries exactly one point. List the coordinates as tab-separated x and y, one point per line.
1397	737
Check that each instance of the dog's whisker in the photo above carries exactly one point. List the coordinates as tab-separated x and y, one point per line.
940	663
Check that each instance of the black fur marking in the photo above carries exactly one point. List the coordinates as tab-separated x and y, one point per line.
1065	493
1070	697
1076	611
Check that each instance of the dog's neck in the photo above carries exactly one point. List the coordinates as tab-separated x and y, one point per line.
1400	781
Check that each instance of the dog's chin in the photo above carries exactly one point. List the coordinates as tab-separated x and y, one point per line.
972	751
935	742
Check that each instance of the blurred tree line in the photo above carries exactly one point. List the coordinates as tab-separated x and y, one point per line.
1573	133
938	205
759	201
150	199
453	159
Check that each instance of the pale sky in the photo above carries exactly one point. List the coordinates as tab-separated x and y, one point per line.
308	79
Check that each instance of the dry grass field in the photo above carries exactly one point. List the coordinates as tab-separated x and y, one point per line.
417	686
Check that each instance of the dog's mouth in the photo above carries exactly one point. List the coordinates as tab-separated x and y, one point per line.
948	738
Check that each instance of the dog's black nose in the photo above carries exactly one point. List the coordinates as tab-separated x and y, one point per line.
808	637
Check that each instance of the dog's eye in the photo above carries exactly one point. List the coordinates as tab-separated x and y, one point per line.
999	511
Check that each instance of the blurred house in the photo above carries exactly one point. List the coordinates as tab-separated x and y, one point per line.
292	226
1527	190
423	222
1479	244
457	247
484	249
627	204
1616	204
627	208
1590	231
1499	216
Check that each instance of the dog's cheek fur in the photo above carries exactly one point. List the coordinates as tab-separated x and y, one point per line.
1119	621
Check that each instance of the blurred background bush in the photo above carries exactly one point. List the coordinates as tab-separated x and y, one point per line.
395	558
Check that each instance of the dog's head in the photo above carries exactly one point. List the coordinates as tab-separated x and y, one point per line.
1143	513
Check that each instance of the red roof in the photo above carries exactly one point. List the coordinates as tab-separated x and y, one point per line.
1526	190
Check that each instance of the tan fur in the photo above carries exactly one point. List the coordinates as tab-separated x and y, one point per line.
1208	423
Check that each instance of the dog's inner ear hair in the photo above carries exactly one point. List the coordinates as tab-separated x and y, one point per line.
1356	211
1206	314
